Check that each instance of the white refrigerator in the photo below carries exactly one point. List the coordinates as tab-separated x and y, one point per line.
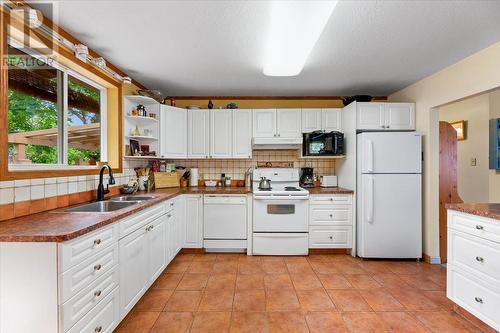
389	194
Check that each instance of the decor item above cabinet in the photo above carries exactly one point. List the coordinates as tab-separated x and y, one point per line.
385	116
173	132
273	127
326	120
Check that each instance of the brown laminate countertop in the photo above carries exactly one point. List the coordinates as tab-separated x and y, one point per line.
59	226
491	210
329	190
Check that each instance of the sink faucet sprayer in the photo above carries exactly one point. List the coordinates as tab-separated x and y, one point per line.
100	189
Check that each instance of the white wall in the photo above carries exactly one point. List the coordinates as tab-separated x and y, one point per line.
471	76
473	181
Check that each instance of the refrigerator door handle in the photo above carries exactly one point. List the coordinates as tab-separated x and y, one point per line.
369	156
369	206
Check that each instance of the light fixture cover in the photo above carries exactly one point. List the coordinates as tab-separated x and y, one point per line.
294	29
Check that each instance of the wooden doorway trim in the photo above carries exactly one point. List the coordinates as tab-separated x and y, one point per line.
448	180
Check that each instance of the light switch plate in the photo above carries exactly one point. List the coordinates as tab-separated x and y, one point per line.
473	161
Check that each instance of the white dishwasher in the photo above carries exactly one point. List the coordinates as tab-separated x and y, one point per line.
225	223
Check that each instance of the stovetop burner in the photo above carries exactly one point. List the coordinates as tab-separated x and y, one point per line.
292	188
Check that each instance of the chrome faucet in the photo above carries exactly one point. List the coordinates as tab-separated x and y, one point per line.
100	189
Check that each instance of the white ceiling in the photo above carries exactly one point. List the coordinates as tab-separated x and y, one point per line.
216	47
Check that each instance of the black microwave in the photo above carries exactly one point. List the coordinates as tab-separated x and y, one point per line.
323	144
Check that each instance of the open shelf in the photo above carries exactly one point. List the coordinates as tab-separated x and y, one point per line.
143	158
142	138
142	120
138	99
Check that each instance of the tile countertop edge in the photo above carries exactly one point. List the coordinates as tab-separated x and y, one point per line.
489	210
46	226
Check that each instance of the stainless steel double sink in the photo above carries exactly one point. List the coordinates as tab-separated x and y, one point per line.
110	205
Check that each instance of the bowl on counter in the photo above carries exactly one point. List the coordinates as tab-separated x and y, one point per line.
210	183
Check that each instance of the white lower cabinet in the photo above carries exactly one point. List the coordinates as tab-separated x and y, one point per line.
331	221
193	228
473	269
134	269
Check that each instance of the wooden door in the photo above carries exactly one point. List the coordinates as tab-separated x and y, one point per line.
448	191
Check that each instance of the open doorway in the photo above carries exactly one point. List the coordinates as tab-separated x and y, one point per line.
465	171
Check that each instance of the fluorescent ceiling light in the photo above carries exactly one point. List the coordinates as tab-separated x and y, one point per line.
295	28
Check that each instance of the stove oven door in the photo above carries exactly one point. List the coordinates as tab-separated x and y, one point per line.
280	214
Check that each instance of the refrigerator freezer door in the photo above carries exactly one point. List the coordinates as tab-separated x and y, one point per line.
396	152
390	216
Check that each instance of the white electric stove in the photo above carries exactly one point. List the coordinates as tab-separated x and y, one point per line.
280	214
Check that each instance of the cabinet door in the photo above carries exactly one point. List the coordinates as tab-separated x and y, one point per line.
173	132
289	123
242	133
332	120
157	243
193	226
370	116
180	222
400	116
134	268
198	129
221	137
170	225
311	120
264	123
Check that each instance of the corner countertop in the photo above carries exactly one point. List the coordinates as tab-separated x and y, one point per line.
490	210
60	226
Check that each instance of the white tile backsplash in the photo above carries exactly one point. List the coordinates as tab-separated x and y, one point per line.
37	192
62	188
37	181
22	182
7	184
22	193
72	187
50	190
6	195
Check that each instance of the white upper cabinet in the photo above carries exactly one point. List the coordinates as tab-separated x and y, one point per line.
242	133
370	116
288	123
331	120
400	116
221	133
173	132
385	116
198	133
264	123
311	120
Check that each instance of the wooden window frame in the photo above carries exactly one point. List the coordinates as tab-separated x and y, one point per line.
113	91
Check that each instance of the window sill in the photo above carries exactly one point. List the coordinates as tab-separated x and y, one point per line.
52	167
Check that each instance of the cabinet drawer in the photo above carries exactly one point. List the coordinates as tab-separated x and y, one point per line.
475	253
134	222
330	237
103	318
330	215
478	298
332	199
474	225
77	250
78	277
80	304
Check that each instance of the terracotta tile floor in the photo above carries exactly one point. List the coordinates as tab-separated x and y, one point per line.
320	293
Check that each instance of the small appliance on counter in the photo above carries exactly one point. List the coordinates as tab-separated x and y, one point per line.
328	181
306	177
323	144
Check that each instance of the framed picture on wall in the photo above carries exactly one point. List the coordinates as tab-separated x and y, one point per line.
459	127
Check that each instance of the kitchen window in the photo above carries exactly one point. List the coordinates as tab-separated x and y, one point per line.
56	117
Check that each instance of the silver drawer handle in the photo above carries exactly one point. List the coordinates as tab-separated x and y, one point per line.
479	299
97	241
97	267
331	215
479	227
98	329
169	215
480	259
331	237
97	293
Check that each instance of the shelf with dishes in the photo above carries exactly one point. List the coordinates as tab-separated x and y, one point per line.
141	119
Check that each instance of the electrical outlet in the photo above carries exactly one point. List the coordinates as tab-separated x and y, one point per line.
473	161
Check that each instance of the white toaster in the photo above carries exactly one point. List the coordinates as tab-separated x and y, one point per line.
328	181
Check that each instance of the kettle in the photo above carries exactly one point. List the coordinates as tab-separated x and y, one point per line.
264	184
